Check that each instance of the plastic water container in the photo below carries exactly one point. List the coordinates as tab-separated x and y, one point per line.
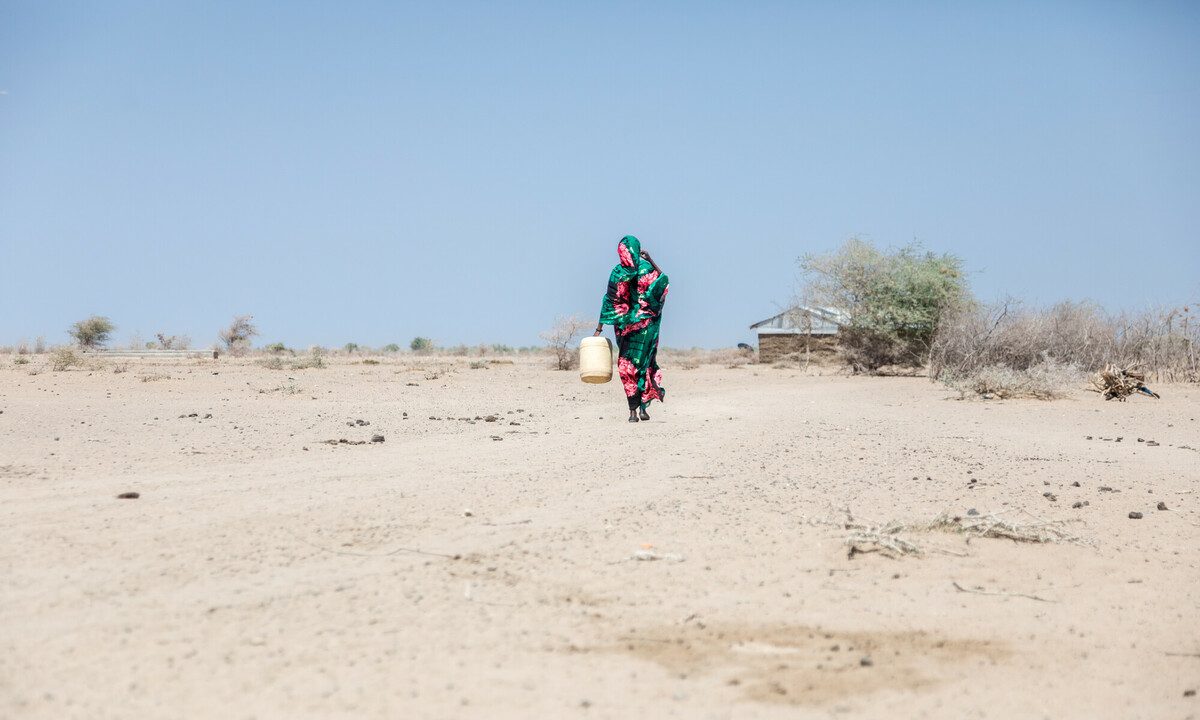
595	360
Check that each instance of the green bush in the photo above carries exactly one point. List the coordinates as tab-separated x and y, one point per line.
421	345
391	348
350	348
93	332
892	300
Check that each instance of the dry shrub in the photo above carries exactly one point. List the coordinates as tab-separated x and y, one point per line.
1048	380
1027	350
272	363
237	336
312	361
173	342
64	359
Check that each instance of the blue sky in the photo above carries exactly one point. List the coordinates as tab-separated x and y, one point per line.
369	172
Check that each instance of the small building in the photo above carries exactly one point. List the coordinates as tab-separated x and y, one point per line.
797	329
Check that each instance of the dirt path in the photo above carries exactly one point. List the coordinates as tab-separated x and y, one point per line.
467	568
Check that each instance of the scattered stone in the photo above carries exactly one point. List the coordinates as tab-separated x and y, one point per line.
1189	693
491	418
376	438
1162	505
468	513
1105	488
866	661
497	438
1075	484
1151	443
972	511
1135	515
207	416
1050	496
1141	440
361	423
129	496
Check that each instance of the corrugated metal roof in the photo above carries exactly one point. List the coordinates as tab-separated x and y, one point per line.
802	320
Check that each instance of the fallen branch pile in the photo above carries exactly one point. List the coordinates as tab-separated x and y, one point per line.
1118	383
894	539
992	525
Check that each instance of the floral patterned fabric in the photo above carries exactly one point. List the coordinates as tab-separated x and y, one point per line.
633	306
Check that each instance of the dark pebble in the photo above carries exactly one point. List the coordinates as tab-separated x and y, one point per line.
1135	515
376	438
129	496
1050	496
866	661
1075	484
972	511
1162	505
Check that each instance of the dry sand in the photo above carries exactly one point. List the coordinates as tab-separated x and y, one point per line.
264	574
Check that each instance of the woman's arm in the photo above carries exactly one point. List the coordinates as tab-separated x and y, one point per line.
650	260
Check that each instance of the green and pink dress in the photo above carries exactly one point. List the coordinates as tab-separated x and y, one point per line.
633	306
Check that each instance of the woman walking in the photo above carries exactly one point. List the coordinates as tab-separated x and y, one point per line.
633	305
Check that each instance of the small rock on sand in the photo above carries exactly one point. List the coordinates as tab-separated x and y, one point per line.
129	496
1162	505
1135	515
376	438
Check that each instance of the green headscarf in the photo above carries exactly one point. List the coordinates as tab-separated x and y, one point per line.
630	267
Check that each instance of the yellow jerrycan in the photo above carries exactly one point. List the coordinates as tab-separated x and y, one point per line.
595	360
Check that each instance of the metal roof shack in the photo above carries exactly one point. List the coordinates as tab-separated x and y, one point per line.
796	329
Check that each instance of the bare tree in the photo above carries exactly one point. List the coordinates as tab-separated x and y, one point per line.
237	336
561	337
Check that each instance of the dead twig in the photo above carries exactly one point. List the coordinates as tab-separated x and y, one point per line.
981	591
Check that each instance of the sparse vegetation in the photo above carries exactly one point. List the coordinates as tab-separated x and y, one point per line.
277	348
173	342
93	332
237	336
421	345
1044	352
312	361
350	348
20	360
893	300
561	338
391	348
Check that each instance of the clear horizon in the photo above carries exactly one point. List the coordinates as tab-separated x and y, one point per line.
463	172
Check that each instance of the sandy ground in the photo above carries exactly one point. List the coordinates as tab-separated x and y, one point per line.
475	569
